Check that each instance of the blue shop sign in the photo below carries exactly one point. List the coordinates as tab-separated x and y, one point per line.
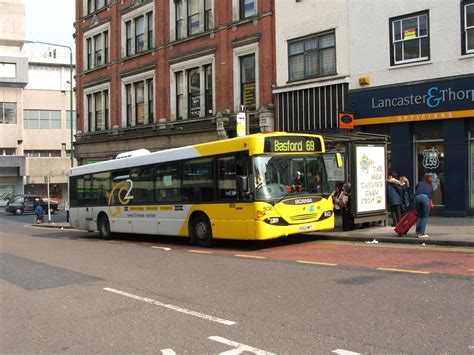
451	98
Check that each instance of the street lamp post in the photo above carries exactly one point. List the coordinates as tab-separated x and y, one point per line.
70	91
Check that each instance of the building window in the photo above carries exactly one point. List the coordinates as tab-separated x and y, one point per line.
139	101
68	119
8	112
89	113
95	5
97	110
192	17
207	14
7	151
208	89
194	92
409	37
151	101
312	56
128	103
468	27
179	78
138	32
128	38
150	30
180	23
247	82
41	119
43	153
97	47
248	8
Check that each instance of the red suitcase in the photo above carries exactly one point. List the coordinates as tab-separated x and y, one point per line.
406	223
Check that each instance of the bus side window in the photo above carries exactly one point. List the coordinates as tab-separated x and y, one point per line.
143	191
198	179
227	183
167	183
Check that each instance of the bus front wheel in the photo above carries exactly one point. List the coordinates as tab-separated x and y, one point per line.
201	231
103	225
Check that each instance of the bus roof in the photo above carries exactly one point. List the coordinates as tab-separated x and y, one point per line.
287	143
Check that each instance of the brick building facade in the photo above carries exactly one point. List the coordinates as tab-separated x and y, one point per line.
162	74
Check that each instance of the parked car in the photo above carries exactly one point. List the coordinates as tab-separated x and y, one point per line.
20	204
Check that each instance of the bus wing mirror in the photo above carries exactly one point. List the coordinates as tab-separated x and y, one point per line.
339	160
243	182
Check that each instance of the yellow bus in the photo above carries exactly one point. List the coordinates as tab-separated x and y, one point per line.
256	187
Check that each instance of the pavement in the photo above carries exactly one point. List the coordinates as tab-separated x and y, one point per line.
445	231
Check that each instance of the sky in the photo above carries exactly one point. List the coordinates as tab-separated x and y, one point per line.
50	21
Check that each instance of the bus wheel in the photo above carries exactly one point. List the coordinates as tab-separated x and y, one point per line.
201	231
103	225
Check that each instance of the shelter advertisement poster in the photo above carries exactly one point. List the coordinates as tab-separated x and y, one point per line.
371	178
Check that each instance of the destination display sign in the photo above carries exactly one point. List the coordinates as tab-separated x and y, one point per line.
292	144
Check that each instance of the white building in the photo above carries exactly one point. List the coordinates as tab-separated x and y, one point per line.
404	69
35	121
312	63
412	78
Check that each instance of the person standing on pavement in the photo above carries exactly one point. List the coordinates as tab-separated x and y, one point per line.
394	197
423	196
39	213
405	184
345	204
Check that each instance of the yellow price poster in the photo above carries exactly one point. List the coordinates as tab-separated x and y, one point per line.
409	33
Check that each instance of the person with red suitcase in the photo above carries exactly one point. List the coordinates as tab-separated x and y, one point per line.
423	196
406	222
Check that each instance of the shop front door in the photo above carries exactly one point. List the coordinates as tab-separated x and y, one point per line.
430	161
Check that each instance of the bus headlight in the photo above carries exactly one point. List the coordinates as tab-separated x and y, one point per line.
325	215
275	221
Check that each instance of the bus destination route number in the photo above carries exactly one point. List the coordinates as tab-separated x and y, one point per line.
292	145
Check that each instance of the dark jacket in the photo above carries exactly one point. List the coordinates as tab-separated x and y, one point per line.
405	196
423	188
394	193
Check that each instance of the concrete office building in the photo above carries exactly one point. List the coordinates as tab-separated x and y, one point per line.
35	134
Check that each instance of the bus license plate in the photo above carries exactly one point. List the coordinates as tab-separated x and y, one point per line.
305	228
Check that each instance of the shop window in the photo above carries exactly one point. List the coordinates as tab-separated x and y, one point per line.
430	161
472	169
409	38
